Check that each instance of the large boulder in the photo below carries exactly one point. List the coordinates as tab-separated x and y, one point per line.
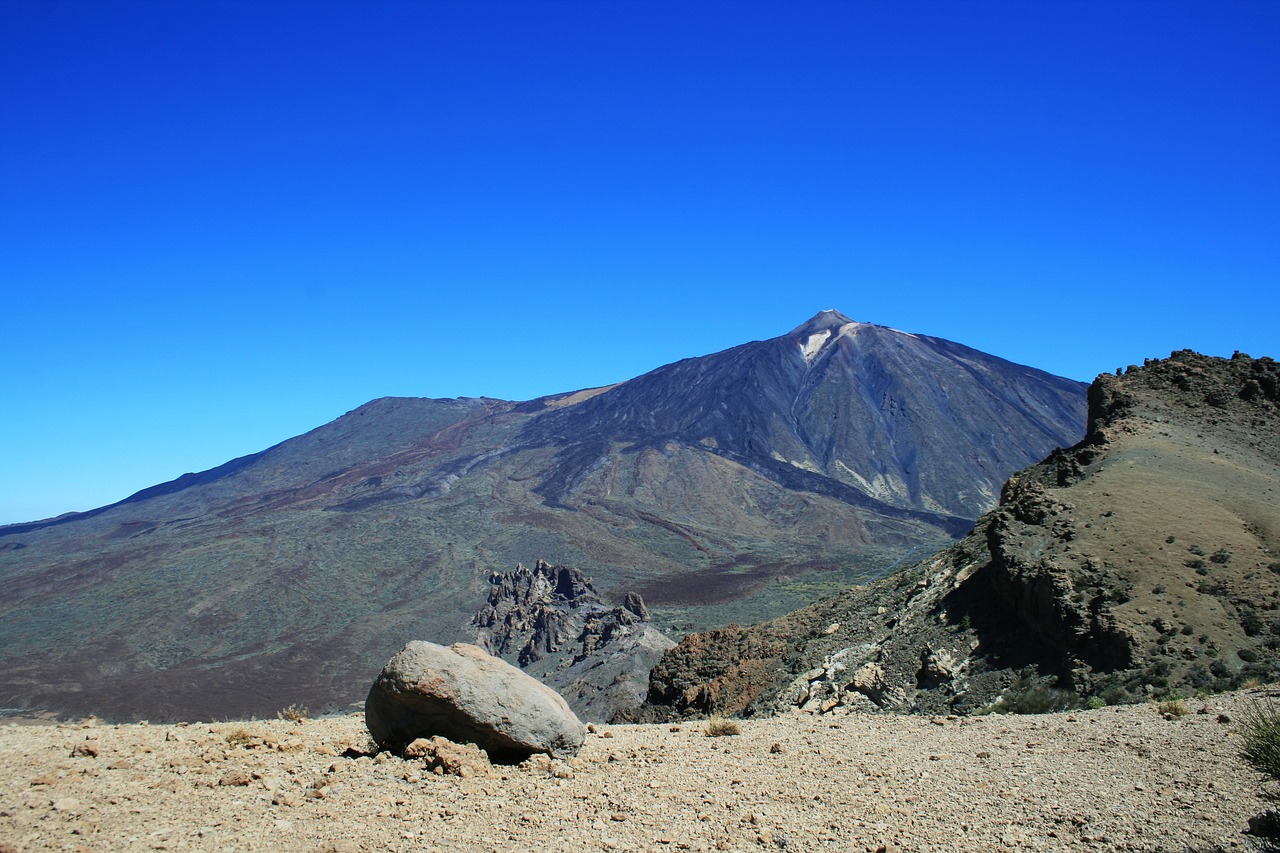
464	694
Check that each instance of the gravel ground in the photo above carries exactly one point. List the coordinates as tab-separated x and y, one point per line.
1121	778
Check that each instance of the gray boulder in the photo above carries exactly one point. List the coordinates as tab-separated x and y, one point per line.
464	694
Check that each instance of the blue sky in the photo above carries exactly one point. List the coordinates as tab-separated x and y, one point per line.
226	223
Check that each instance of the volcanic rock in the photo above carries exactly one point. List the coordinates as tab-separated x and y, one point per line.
464	694
554	624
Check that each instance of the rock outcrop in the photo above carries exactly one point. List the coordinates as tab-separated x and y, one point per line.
1143	560
553	623
467	696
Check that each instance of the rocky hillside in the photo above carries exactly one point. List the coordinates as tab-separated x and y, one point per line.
732	487
1145	560
553	623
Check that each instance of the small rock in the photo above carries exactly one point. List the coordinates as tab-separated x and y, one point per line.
87	749
236	777
443	756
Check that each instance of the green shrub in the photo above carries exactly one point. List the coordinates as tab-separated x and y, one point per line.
1199	678
1260	730
1221	556
1035	699
1251	622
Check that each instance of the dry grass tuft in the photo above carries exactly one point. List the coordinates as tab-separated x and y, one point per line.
720	727
241	737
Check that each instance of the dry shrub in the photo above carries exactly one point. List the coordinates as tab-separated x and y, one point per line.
241	737
294	713
720	727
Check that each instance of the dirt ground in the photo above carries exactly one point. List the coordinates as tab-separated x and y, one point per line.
1123	778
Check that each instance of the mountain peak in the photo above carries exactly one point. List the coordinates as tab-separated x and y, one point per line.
821	322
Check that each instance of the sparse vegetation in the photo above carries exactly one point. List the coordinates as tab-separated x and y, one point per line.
1026	697
720	727
1221	556
295	714
1173	708
240	736
1260	730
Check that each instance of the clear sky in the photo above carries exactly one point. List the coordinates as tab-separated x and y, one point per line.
225	223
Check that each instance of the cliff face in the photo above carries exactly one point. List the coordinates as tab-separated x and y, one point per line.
1143	560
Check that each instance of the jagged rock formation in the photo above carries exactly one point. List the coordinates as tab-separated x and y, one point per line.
539	611
731	487
553	622
1142	560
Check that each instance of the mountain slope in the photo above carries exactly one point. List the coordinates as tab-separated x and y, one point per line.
1145	559
730	487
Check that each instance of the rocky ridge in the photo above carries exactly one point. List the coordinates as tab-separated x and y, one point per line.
1141	561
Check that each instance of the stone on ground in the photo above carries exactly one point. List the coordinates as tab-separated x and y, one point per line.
464	694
